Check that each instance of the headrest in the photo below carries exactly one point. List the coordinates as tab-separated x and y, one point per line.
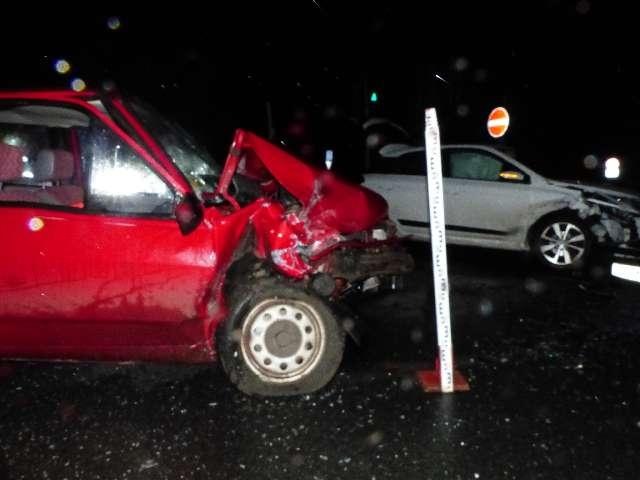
11	164
53	165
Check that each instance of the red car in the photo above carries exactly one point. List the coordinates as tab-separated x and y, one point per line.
121	241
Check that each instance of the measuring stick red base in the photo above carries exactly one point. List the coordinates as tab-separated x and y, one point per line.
430	380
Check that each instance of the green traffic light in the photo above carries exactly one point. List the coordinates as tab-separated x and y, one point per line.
374	97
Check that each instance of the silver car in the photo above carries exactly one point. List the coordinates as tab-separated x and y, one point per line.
494	201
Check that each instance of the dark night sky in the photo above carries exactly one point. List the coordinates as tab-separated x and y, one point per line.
566	70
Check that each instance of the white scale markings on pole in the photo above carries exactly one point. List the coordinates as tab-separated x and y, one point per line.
435	198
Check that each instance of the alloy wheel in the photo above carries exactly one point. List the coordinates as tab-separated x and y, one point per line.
562	243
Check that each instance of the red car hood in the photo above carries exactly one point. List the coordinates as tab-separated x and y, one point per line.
328	201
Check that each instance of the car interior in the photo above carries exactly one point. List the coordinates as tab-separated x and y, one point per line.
36	161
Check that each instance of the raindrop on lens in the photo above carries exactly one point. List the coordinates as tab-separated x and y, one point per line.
113	23
598	272
348	325
460	64
331	111
375	438
590	162
583	7
416	335
480	75
462	110
373	140
406	384
486	307
534	286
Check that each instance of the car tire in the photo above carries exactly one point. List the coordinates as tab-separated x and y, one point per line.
280	340
562	242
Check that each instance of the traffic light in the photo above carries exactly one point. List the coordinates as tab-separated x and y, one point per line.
374	97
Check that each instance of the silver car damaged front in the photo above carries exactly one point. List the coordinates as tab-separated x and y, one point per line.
613	215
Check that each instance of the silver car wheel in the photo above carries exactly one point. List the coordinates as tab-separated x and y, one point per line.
562	243
282	340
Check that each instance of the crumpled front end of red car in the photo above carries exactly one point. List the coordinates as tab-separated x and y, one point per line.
309	222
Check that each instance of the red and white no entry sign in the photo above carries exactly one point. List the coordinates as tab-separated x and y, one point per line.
498	122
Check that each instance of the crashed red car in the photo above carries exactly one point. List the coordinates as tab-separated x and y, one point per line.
123	242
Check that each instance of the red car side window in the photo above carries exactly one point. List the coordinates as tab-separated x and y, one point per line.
117	179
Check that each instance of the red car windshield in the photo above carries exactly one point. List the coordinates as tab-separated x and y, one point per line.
191	158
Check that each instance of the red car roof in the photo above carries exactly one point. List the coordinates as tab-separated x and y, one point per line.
48	95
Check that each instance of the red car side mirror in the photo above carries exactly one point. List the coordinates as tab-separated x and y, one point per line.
188	214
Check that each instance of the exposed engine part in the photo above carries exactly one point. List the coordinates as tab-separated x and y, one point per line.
355	265
323	284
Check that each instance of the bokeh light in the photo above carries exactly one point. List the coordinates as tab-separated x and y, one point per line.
480	75
583	7
35	224
460	64
612	168
62	66
373	140
462	110
590	162
113	23
78	85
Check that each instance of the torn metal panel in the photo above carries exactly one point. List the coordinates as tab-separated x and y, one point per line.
584	209
328	201
330	210
614	228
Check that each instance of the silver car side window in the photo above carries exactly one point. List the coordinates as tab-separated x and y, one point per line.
474	165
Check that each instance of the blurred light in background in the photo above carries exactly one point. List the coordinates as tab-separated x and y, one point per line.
62	66
113	23
328	159
78	85
612	168
590	162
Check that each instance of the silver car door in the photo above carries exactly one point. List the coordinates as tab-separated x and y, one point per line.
488	197
404	187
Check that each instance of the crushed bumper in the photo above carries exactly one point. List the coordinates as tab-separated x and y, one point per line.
356	265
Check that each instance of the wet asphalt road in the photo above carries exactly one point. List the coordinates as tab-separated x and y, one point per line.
552	361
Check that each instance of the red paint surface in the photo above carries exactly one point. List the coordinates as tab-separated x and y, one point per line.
117	287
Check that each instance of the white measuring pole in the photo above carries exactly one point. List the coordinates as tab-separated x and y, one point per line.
435	198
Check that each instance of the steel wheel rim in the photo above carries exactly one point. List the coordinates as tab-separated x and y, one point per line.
282	340
562	243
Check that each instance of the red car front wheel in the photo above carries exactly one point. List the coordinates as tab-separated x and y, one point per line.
281	340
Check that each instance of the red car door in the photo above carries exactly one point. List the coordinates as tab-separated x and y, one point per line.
79	285
107	277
